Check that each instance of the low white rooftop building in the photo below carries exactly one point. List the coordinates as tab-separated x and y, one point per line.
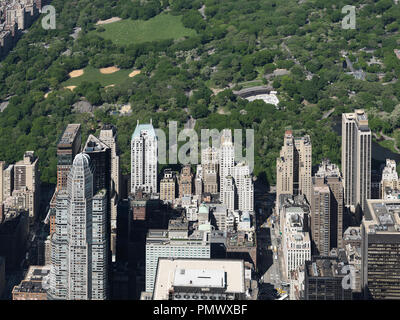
199	279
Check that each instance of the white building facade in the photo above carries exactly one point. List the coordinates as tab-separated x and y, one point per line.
79	246
144	159
296	242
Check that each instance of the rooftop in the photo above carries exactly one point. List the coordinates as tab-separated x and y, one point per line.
327	169
34	280
352	233
199	278
141	129
69	135
382	216
214	273
178	225
94	144
324	267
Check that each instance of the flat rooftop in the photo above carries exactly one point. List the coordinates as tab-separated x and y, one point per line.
324	267
29	287
352	233
36	273
322	189
203	273
199	278
33	282
178	225
68	137
162	237
382	216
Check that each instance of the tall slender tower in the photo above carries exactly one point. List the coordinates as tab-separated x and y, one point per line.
185	182
79	245
293	167
329	175
244	187
144	159
230	194
356	158
209	165
321	219
67	148
108	135
26	176
226	162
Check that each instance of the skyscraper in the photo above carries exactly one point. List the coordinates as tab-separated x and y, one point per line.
244	187
67	148
8	181
356	159
296	240
144	159
209	164
27	180
226	162
328	175
229	194
79	245
390	179
320	219
173	243
324	277
198	181
293	167
185	182
108	135
168	186
100	161
380	229
100	246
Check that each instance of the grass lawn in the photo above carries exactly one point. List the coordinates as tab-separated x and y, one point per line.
249	84
92	74
161	27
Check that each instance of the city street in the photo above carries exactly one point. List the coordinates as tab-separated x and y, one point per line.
269	247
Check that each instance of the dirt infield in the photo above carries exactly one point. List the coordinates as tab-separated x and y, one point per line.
109	70
134	73
111	20
76	73
70	88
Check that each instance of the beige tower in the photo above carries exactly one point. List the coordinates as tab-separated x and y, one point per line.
229	194
293	167
198	181
168	186
356	158
320	219
390	179
226	161
328	175
185	182
26	175
108	135
209	164
8	181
